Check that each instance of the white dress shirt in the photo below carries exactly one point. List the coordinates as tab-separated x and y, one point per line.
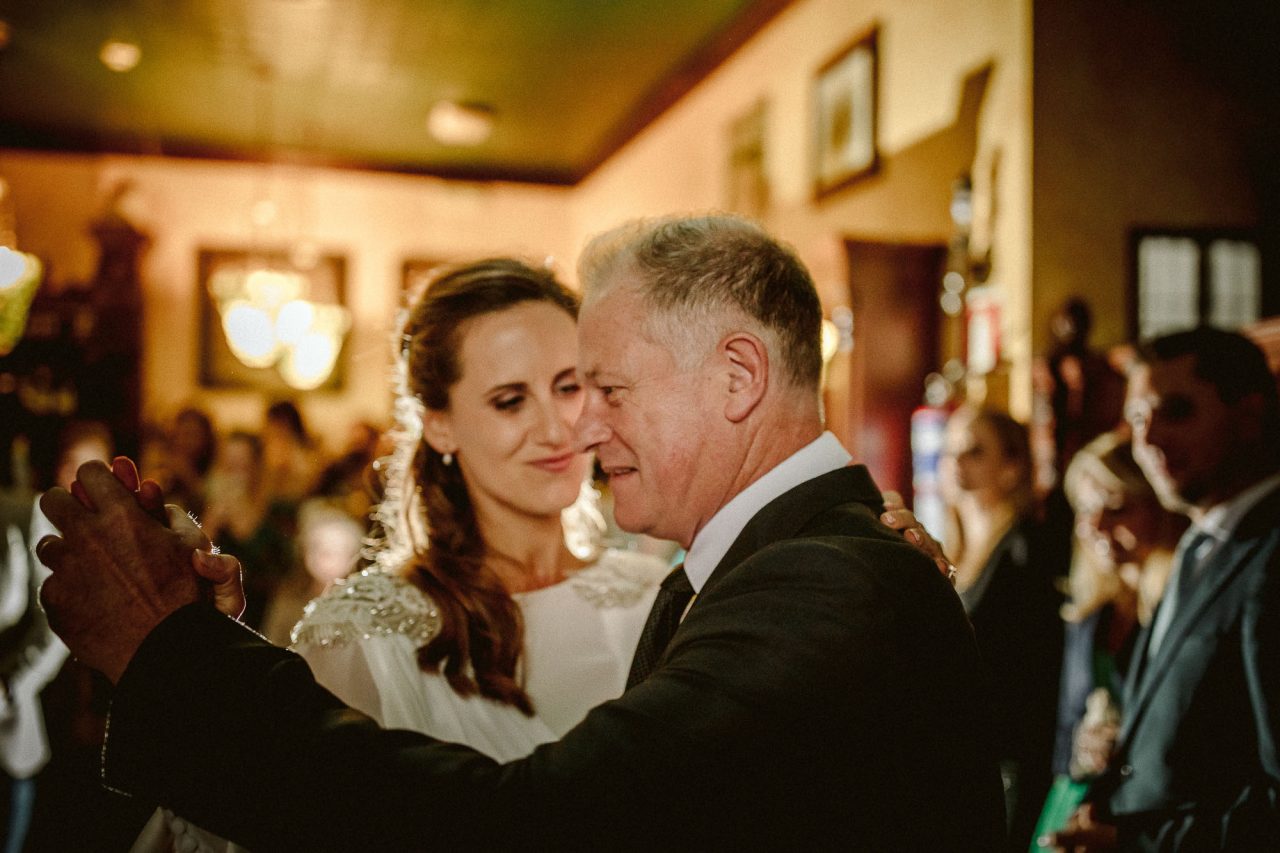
820	456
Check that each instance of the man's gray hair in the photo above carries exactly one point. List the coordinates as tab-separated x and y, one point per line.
695	273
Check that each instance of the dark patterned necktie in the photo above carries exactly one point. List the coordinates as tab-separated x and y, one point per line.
1191	566
668	606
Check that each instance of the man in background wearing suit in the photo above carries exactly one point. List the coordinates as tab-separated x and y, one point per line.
820	690
1196	765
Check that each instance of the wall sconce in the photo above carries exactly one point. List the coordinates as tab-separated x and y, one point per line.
270	321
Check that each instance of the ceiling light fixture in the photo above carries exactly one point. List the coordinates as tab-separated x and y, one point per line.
120	56
454	123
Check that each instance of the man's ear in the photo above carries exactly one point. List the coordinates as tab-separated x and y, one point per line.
437	430
747	361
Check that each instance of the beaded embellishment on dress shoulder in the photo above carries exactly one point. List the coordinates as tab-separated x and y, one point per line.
619	578
365	605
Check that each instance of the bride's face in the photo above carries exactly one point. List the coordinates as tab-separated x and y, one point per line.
511	413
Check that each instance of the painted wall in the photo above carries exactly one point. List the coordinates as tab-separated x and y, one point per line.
1128	132
376	221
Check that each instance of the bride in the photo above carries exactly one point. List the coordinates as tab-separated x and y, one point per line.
490	615
511	624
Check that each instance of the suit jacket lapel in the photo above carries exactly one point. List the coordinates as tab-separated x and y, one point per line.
1228	560
787	514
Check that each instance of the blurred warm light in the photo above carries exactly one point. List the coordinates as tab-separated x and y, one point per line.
6	32
296	317
250	333
307	363
268	321
19	278
14	266
120	56
453	123
830	340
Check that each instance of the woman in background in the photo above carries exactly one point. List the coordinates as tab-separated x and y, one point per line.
1005	564
1124	549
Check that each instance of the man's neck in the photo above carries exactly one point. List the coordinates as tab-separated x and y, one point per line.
1245	481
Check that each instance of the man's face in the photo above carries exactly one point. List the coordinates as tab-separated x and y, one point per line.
1188	442
649	423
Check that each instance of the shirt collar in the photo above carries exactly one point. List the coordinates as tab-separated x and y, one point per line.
1220	521
820	456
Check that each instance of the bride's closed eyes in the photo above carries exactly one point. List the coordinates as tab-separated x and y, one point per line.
510	398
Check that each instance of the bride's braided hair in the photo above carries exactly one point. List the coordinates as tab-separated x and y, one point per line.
480	641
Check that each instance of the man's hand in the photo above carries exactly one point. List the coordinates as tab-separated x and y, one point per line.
222	571
117	570
1083	833
897	516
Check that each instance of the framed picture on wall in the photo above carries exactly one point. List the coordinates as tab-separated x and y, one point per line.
845	105
251	334
748	182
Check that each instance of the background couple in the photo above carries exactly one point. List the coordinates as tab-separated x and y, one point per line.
821	691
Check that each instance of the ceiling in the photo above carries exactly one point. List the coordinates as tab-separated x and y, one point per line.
350	82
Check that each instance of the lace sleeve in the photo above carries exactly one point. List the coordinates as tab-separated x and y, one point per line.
360	639
366	605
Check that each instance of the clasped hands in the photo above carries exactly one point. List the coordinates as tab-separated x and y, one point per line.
123	563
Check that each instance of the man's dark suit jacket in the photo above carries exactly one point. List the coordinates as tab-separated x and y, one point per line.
821	693
1197	766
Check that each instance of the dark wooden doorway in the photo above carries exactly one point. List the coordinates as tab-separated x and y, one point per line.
893	290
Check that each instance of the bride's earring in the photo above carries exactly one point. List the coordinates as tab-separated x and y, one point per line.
447	459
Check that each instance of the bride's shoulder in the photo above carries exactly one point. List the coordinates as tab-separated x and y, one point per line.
365	605
620	578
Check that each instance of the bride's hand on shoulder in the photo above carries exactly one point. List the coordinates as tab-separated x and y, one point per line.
897	516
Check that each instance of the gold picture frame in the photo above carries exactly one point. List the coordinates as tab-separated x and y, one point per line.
845	103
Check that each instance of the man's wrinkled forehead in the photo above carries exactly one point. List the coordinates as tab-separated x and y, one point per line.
604	332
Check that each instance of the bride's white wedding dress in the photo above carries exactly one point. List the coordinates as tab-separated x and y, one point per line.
361	640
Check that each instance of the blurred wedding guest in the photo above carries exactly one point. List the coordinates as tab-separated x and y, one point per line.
290	458
349	479
1079	395
327	548
194	444
158	461
491	615
243	520
1124	548
30	656
1196	764
1005	562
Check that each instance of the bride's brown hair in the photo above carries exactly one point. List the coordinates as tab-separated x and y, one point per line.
480	640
